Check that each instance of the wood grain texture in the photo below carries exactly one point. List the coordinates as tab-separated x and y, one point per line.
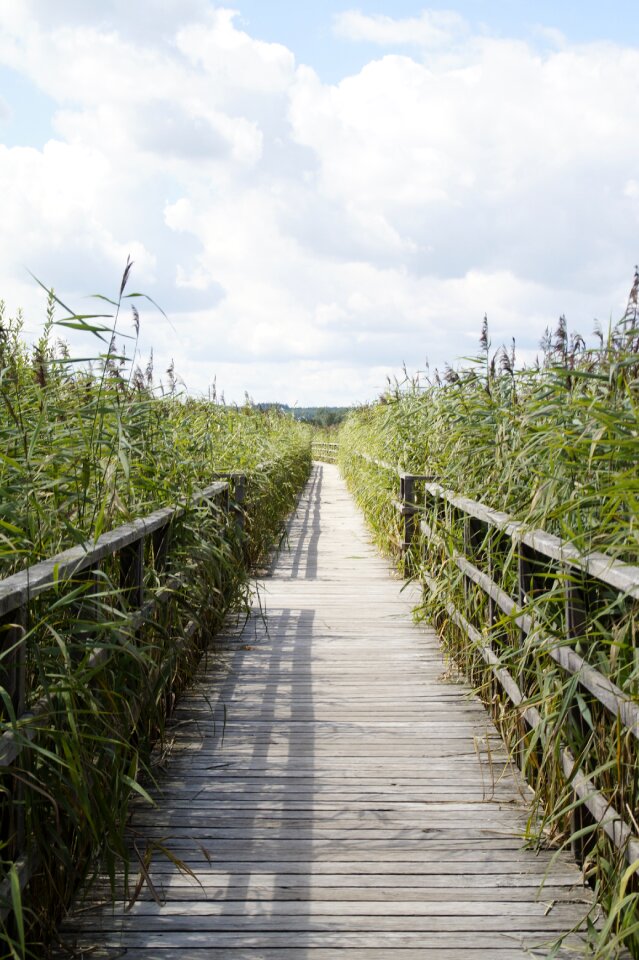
329	791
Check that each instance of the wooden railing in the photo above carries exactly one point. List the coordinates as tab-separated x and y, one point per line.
137	551
325	451
544	590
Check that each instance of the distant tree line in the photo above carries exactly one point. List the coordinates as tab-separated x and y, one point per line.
318	416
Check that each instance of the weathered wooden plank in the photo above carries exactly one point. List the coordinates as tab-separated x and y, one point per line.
347	951
332	792
300	879
397	908
248	888
347	811
201	858
458	855
133	926
191	940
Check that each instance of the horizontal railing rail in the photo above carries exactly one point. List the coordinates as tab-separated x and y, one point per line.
65	572
424	506
325	451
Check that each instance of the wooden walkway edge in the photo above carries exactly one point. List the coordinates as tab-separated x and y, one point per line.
331	793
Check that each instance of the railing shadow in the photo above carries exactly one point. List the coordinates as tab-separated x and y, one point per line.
236	804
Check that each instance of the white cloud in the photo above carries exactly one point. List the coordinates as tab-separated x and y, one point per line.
54	202
504	158
233	58
631	189
304	237
433	28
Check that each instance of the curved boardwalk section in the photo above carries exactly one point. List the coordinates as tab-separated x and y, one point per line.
330	792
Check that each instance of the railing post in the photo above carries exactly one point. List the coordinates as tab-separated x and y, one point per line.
160	539
238	502
13	627
576	620
525	581
473	538
492	551
525	584
407	499
132	573
533	572
85	608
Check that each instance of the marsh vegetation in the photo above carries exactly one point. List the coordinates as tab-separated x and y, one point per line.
555	446
86	446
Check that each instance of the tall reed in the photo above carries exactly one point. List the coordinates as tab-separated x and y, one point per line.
87	445
556	446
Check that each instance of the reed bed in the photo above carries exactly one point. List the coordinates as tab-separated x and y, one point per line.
555	446
87	445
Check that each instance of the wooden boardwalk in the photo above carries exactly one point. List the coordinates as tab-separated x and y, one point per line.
332	792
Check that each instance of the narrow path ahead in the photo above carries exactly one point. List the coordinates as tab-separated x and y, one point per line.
333	794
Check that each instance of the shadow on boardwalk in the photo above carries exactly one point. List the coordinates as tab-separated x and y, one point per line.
332	797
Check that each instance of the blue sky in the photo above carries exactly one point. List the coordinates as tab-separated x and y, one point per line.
307	28
30	111
318	194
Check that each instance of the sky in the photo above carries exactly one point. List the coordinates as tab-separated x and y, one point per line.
317	194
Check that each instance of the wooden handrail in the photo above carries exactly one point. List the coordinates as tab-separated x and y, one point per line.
20	589
565	559
624	577
325	450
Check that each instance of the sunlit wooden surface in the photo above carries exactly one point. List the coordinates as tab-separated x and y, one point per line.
330	791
